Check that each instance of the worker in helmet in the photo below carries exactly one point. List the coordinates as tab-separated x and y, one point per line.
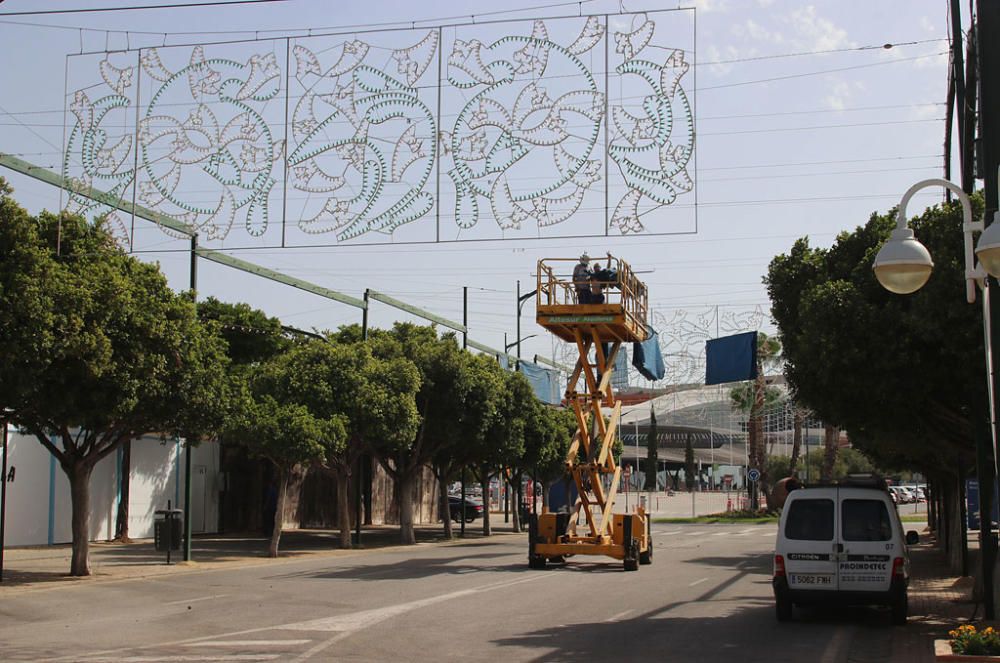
581	280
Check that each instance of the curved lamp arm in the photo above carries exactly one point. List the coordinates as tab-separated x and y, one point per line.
974	273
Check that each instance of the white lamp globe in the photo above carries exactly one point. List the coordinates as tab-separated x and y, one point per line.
903	264
988	248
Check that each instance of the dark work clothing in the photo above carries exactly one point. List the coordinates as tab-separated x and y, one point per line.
581	281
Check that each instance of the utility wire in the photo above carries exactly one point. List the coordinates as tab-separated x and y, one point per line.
176	5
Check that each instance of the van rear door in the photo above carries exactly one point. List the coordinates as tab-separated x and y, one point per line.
810	531
869	546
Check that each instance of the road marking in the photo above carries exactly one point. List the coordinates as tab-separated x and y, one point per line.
721	534
345	624
747	531
698	582
697	533
172	659
669	532
836	645
197	600
614	618
247	643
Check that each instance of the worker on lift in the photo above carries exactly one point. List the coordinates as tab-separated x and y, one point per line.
581	280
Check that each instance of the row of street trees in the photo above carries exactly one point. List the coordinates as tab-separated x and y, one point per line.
99	351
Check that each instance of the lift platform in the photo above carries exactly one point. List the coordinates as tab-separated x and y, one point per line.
612	313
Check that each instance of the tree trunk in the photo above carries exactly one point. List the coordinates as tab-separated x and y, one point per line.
443	506
831	439
279	513
121	522
797	421
487	531
403	483
79	487
514	490
343	505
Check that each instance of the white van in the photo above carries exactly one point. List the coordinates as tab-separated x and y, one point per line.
841	544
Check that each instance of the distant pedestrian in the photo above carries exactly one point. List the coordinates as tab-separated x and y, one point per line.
581	280
597	278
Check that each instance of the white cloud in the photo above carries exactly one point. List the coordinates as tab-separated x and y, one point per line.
712	5
816	33
842	94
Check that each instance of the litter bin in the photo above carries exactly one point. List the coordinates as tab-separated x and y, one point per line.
168	525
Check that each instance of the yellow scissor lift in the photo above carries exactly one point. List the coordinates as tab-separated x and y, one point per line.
600	328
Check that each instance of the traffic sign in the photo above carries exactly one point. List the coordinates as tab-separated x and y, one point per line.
753	475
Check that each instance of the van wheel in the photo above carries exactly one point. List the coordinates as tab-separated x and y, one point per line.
900	610
783	609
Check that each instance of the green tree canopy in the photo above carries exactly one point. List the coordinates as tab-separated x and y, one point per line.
98	350
903	375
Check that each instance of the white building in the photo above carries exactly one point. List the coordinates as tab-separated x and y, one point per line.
38	505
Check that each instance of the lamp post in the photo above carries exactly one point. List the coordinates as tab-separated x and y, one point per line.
520	303
903	265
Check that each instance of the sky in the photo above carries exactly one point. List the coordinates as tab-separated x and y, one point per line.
804	124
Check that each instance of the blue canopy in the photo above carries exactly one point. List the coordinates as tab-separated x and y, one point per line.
544	381
731	358
647	358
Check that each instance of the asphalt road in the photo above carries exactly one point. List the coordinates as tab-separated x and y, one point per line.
706	597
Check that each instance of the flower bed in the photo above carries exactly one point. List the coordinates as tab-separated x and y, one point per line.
969	644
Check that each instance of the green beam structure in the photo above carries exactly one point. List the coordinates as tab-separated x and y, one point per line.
419	312
55	179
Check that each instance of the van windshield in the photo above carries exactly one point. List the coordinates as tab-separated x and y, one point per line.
865	520
810	520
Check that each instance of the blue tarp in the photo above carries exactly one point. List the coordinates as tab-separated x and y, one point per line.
504	362
544	381
646	357
731	358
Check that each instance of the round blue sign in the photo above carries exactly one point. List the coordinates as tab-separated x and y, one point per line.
753	475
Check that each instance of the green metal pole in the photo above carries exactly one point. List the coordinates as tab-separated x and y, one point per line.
187	454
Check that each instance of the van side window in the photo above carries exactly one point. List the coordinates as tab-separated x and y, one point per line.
865	520
810	520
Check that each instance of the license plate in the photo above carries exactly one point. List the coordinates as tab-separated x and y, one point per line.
811	579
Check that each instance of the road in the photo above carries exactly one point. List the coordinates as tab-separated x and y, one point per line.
706	597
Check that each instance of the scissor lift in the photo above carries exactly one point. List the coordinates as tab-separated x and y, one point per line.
601	328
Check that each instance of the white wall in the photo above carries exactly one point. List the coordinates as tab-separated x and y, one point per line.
38	508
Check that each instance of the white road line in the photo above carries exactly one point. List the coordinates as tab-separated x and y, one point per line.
614	618
837	643
698	533
669	532
173	659
346	625
197	600
769	535
698	582
721	534
747	531
247	643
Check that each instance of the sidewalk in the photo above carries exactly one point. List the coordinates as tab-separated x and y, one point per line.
47	567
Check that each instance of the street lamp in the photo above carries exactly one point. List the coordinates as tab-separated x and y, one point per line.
508	346
903	264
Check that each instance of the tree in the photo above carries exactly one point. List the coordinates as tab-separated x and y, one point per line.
526	414
895	392
689	466
98	350
373	399
438	362
251	335
652	452
286	434
902	375
462	442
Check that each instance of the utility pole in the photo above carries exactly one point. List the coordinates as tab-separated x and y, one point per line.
985	32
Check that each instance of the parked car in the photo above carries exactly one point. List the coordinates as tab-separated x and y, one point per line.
473	509
841	544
